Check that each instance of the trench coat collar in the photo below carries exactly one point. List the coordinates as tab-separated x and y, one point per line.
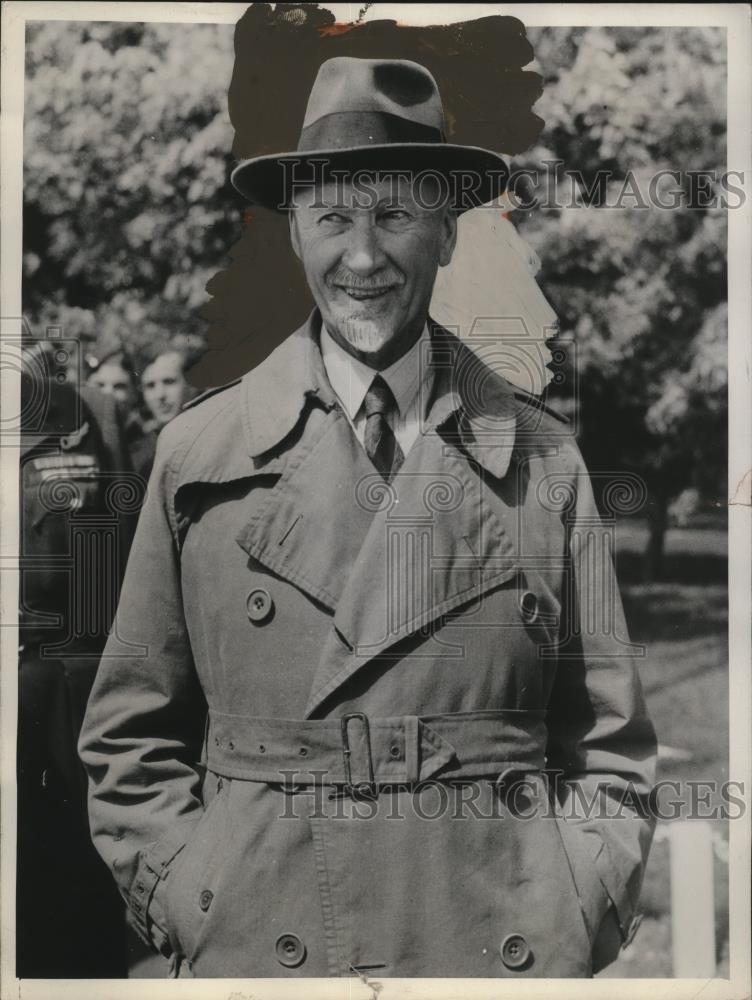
275	393
274	396
240	425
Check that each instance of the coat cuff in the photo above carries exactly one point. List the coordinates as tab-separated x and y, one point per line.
145	912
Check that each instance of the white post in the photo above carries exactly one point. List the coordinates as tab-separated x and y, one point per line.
692	899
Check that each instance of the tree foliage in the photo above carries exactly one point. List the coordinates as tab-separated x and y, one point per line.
641	291
128	212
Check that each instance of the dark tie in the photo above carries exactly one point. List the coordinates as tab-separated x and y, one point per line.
380	443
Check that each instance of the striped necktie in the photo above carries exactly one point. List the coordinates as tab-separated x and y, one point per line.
380	443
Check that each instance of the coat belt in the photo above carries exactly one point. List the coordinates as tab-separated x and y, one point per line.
357	750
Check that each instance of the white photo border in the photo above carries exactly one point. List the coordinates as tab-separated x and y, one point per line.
735	18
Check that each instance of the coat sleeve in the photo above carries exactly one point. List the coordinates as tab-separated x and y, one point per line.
601	740
144	724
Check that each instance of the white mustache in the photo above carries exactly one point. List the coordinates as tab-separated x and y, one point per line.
347	279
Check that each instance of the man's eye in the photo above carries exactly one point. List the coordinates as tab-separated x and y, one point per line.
395	215
333	218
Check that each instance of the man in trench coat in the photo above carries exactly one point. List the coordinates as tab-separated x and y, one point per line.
369	706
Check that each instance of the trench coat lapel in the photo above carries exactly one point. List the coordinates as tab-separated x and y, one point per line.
311	523
434	542
385	559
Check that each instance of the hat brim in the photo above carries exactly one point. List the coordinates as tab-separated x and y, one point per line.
473	176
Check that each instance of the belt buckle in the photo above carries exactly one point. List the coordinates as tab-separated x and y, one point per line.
361	789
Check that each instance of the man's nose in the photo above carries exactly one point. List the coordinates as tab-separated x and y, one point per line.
363	254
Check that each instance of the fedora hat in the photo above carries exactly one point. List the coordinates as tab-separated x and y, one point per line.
378	116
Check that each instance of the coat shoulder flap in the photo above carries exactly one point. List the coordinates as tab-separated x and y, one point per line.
209	393
205	443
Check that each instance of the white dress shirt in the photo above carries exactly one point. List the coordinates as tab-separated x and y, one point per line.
409	378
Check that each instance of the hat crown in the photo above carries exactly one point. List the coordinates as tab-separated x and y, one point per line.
395	87
372	115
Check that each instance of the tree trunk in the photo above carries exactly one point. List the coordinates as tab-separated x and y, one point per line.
657	524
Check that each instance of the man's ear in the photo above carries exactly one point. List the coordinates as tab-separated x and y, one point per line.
294	237
448	237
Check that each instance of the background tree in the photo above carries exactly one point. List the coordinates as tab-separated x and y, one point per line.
128	211
640	290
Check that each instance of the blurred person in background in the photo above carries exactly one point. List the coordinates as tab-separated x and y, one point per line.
164	385
76	524
112	373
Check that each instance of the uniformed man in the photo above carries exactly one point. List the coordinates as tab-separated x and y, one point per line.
76	525
376	609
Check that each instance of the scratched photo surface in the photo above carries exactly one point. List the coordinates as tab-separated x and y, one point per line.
585	305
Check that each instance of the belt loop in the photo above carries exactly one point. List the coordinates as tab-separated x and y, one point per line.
412	748
360	788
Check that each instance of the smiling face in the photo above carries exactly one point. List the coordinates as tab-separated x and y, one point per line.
371	262
164	387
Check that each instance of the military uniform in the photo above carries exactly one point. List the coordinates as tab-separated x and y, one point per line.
310	768
75	534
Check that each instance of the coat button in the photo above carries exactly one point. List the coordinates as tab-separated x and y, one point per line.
259	604
290	950
514	951
205	899
528	607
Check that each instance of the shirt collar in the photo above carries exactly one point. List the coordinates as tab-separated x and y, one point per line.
351	378
274	395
